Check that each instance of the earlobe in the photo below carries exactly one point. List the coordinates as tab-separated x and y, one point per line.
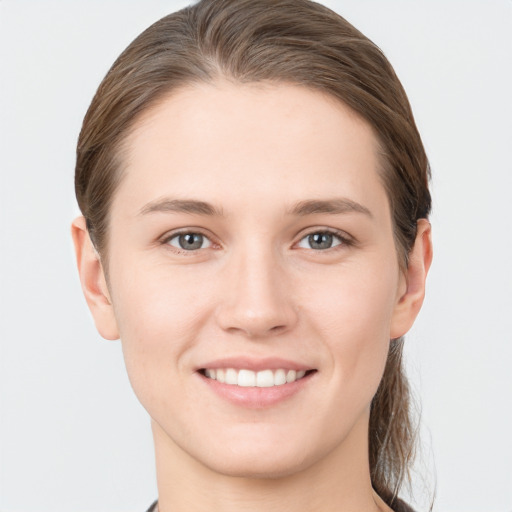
409	302
92	279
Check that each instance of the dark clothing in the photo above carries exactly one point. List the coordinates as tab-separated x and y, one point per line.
153	507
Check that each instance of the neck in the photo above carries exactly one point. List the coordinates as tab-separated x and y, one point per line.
339	481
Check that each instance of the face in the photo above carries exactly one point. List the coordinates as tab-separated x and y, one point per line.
253	275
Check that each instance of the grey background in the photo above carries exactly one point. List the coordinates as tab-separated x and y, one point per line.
72	435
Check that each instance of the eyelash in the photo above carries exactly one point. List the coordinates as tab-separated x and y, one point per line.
166	241
344	240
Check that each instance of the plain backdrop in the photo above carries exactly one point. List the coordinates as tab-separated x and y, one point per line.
72	435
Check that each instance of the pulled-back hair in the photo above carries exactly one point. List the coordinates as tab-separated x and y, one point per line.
293	41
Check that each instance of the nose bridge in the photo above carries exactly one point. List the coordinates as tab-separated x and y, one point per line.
256	299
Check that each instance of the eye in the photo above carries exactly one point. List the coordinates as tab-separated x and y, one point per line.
322	240
189	241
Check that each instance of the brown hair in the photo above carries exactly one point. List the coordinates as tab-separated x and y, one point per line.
295	41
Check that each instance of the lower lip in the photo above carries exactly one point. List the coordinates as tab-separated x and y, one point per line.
255	397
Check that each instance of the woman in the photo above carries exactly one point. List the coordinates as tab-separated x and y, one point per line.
255	200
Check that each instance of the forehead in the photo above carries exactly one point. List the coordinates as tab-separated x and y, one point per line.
252	142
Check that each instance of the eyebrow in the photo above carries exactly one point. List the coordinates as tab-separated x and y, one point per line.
301	209
181	206
332	206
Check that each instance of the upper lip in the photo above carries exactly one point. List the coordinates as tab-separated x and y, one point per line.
255	364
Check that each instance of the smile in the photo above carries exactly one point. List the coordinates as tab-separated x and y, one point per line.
249	378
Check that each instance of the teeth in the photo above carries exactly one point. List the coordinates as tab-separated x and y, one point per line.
279	377
248	378
231	376
265	379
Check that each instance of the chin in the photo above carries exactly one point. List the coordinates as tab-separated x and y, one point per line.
269	457
255	466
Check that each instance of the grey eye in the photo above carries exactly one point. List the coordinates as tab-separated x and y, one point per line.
189	241
320	241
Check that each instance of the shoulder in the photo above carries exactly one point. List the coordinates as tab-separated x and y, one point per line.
153	507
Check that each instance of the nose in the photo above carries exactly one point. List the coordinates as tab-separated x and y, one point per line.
255	297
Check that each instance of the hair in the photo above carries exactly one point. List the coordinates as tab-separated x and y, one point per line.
282	41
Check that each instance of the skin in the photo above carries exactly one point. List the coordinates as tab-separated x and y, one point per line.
256	287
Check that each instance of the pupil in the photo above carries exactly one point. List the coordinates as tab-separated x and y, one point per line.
320	240
191	241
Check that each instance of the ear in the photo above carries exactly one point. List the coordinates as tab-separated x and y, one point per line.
412	288
92	279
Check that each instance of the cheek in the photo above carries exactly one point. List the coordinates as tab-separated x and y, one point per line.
159	313
155	302
354	302
354	317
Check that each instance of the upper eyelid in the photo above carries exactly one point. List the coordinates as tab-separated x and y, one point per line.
342	235
183	231
165	239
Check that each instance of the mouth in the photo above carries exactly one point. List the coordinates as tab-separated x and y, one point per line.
246	378
255	382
